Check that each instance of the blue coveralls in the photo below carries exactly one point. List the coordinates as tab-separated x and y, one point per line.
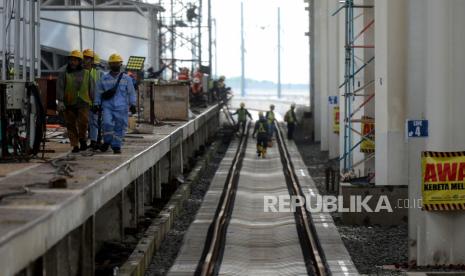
115	110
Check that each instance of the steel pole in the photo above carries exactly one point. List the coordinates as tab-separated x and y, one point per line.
279	52
242	52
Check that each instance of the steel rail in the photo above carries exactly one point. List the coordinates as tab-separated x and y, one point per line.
303	218
214	244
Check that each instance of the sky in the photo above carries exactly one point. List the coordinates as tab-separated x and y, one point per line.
260	25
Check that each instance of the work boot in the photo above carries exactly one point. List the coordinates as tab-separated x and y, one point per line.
75	149
83	144
94	145
104	147
116	151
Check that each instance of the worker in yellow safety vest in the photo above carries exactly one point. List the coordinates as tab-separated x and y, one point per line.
261	131
291	120
270	116
242	114
90	62
74	90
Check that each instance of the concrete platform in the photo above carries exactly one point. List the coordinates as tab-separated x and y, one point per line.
31	224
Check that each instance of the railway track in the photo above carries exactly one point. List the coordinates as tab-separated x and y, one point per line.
242	239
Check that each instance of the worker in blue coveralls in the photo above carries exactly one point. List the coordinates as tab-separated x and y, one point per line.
115	97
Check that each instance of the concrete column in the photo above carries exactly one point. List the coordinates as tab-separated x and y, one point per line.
158	180
390	72
341	70
318	58
323	17
333	75
361	16
74	255
368	75
140	198
104	230
436	66
88	247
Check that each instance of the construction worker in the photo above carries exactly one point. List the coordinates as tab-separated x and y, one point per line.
291	121
261	133
115	97
270	116
74	90
222	91
90	62
183	74
242	114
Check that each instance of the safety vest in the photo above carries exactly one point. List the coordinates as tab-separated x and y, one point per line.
290	117
270	116
242	114
261	127
72	93
94	74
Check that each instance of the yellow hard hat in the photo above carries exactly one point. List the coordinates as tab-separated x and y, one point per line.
222	77
76	54
260	114
88	53
115	58
96	59
242	104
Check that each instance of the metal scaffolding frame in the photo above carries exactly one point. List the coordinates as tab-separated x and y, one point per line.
182	32
349	84
20	39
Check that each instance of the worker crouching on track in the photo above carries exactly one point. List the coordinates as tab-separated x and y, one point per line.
242	114
74	90
291	121
115	96
91	60
261	132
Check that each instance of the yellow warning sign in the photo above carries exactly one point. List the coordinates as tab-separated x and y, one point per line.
368	131
336	119
443	180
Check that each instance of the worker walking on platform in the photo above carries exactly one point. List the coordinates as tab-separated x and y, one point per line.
115	97
91	60
74	90
271	119
291	120
242	114
261	132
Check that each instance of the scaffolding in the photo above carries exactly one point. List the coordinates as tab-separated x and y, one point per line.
353	89
20	40
182	34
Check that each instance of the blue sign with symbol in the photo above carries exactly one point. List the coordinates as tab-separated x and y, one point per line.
417	128
332	99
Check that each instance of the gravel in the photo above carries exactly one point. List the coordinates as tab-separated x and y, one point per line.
166	254
375	250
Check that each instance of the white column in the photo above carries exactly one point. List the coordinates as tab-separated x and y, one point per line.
323	68
390	31
333	75
153	45
436	70
360	16
318	58
369	74
341	68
